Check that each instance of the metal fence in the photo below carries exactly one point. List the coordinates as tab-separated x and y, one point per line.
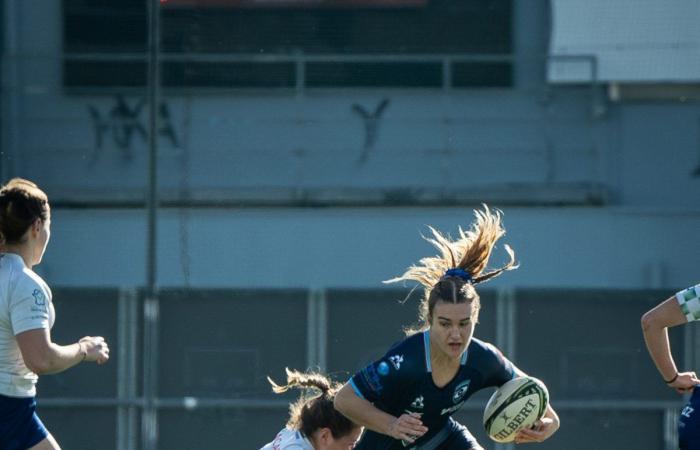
214	349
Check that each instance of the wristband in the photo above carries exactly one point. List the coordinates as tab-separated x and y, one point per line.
83	351
672	379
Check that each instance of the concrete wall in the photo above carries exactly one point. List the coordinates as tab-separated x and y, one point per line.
625	170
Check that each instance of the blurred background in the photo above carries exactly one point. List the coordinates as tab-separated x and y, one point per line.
231	181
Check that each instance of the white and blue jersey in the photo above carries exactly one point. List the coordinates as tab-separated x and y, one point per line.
689	302
402	382
289	440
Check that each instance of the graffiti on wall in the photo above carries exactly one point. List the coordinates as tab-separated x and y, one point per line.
371	125
125	123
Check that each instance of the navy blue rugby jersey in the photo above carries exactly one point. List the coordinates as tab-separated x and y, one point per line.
402	382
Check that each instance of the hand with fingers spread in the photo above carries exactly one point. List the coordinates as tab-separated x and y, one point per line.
408	427
684	382
540	431
94	349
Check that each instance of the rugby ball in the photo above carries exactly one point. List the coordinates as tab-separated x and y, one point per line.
517	404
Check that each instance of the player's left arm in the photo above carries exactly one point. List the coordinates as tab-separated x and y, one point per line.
541	430
655	324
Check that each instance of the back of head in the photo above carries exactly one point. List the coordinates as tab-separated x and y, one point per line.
21	204
451	275
314	409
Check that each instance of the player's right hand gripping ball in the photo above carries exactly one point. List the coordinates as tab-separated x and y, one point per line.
516	405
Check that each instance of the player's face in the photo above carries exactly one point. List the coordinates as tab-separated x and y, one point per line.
42	238
452	327
347	442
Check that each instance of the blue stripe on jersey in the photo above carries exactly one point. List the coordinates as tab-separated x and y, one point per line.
354	388
426	343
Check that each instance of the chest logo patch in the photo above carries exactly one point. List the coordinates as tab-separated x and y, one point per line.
418	402
460	390
396	361
39	298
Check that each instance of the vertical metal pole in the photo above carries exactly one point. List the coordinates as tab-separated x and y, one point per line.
506	332
317	330
153	91
150	337
10	77
322	331
127	319
122	369
670	429
311	332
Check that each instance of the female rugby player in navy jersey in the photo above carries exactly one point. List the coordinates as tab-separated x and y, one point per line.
679	309
406	399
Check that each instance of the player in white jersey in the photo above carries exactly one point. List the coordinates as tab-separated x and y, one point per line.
314	424
26	317
289	440
679	309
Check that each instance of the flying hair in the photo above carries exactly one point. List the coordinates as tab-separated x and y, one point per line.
470	252
296	379
314	409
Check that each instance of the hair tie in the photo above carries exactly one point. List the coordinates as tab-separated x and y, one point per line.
459	273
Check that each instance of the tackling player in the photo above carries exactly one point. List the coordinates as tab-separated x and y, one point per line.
314	424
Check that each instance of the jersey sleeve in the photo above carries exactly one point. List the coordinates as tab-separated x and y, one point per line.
689	301
383	378
497	369
29	306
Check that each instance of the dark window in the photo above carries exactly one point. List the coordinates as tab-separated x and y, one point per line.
395	43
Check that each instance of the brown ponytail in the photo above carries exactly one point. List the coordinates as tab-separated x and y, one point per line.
469	255
314	409
21	204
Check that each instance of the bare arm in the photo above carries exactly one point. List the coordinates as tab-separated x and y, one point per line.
408	427
45	357
655	324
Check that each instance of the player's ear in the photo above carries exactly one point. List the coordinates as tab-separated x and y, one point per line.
37	226
325	436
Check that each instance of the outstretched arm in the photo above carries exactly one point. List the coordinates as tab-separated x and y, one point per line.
42	356
407	427
655	324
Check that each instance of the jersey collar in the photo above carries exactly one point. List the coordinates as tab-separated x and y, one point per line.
426	345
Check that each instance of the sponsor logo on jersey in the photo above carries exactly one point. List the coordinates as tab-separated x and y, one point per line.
460	390
396	361
687	411
452	409
39	298
418	402
406	444
371	377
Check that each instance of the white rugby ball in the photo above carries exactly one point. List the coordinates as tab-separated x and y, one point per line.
517	404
